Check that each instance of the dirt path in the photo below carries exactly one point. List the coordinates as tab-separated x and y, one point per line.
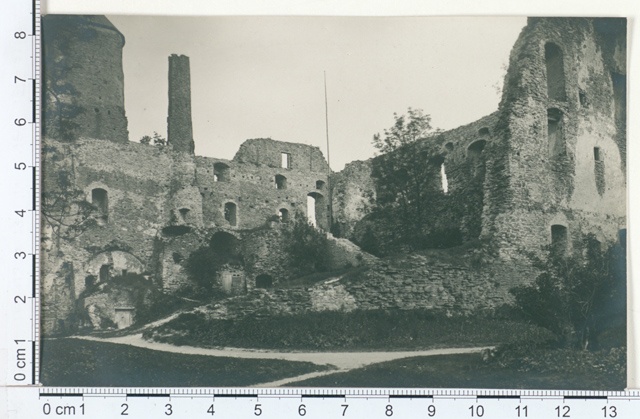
342	361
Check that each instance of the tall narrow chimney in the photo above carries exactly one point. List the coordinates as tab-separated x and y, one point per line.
179	128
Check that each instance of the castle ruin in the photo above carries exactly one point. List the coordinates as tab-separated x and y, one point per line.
546	168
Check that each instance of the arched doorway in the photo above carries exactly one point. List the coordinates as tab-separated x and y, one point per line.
316	210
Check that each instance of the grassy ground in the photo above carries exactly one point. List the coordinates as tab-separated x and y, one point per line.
469	371
74	362
360	330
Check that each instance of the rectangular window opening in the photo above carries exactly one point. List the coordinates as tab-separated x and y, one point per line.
285	160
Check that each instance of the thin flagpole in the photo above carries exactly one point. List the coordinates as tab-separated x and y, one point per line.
326	118
326	122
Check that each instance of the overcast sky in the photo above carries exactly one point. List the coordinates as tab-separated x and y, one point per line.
263	76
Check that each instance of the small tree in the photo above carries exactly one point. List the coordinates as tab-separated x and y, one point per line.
65	209
573	295
307	248
157	139
406	173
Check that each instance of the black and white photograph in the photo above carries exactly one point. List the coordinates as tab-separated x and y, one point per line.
307	201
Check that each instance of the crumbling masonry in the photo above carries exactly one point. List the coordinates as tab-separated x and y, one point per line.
546	168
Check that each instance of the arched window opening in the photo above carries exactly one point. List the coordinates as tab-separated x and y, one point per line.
184	214
475	149
230	213
554	132
598	167
320	184
264	281
281	182
559	240
316	210
221	172
555	72
105	273
285	160
483	132
443	179
311	209
474	156
283	214
100	199
449	146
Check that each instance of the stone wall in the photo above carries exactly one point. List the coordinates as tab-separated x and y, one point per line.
460	158
353	195
464	287
268	152
559	140
249	183
553	154
422	283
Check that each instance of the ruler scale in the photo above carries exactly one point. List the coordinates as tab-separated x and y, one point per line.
20	126
20	112
314	403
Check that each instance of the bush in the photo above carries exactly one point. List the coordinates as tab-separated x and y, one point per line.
577	297
307	248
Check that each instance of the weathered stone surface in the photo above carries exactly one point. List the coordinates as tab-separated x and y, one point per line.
179	125
83	79
354	195
554	154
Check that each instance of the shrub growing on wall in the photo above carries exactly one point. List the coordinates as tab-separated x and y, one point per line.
307	248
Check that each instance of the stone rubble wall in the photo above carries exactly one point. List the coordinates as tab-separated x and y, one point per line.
416	282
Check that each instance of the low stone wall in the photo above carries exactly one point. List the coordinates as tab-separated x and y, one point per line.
423	284
417	282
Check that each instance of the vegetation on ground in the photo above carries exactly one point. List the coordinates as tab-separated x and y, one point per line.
539	369
79	363
357	330
578	297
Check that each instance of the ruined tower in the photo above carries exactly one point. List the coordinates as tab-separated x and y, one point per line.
83	94
179	127
562	168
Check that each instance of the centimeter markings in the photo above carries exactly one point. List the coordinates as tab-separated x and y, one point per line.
338	402
373	402
20	113
35	186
